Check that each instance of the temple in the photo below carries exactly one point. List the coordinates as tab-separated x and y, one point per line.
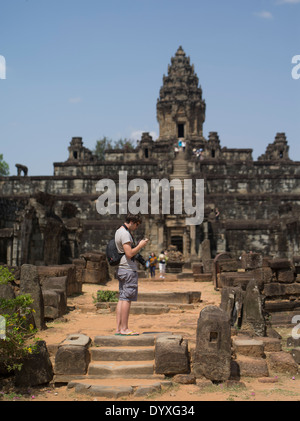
49	220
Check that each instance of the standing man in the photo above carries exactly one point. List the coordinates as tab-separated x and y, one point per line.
127	271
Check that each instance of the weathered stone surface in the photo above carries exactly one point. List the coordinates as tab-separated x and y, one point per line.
280	263
104	391
112	340
276	289
55	304
184	379
271	344
171	355
262	275
213	345
251	261
144	390
72	359
96	268
235	279
253	319
293	342
74	284
281	305
30	284
56	283
296	354
76	339
248	347
232	303
203	277
229	265
282	362
122	354
36	369
186	297
286	276
252	367
197	268
114	369
268	380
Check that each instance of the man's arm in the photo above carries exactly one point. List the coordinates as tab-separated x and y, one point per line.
131	252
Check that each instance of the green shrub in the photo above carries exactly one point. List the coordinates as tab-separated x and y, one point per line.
16	340
106	296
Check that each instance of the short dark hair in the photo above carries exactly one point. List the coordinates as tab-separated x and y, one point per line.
137	219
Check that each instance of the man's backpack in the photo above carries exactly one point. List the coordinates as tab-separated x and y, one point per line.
112	254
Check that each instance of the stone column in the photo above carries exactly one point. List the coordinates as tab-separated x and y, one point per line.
193	240
212	357
30	284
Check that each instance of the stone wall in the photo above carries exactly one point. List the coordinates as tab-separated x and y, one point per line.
277	280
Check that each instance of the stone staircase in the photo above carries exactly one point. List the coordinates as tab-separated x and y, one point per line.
180	167
121	366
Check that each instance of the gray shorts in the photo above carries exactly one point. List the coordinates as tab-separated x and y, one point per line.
128	285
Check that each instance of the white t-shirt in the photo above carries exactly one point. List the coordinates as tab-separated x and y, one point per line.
122	236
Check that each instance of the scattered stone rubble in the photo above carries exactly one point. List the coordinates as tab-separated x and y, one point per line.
234	340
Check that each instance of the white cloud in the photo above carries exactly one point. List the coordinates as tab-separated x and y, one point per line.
75	100
137	135
264	14
288	1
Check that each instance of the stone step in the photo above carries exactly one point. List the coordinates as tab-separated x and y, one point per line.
122	354
168	297
138	308
187	297
118	388
148	308
185	276
203	277
248	347
250	366
113	340
121	369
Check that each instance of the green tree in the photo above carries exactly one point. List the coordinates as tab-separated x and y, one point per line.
126	144
4	168
101	146
105	144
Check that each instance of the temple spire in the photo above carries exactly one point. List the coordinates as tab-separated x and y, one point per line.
180	107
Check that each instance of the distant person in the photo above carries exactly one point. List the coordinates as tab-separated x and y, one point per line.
217	213
152	264
162	261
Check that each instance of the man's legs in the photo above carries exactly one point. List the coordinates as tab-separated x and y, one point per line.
122	312
128	285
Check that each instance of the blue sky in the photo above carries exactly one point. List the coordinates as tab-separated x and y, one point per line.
93	68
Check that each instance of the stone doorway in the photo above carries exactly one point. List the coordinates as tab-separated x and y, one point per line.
177	240
180	130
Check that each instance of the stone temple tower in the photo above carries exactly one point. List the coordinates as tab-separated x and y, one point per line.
180	107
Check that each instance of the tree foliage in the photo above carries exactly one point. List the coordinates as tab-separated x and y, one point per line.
4	167
104	144
16	328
